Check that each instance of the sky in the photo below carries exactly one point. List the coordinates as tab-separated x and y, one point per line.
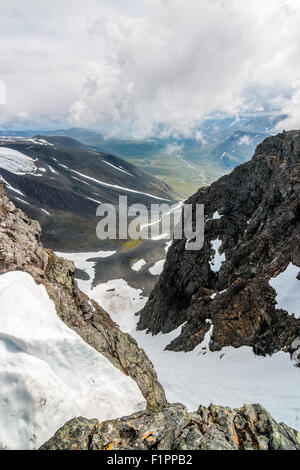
131	67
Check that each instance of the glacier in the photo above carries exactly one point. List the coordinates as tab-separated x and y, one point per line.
16	162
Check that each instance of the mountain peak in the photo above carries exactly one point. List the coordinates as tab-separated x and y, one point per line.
259	233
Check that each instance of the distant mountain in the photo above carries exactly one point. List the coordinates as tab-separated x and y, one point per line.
60	182
237	148
215	146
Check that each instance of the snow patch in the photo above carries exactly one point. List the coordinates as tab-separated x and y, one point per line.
138	265
94	200
16	162
46	212
52	170
15	190
217	216
157	268
22	200
216	263
81	261
121	301
48	374
117	168
230	377
287	287
115	186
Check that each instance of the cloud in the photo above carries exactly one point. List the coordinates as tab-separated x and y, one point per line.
2	92
174	149
140	68
291	108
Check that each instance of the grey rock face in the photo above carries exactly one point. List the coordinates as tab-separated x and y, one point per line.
21	250
260	232
173	428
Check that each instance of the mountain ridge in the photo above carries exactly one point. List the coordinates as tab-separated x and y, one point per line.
257	221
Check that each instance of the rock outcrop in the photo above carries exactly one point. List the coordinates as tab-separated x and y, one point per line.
173	428
21	249
255	213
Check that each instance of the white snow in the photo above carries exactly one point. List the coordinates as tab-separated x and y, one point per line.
217	216
231	377
63	166
218	259
15	190
81	261
121	301
287	287
22	200
117	168
94	200
52	170
114	186
137	266
157	268
16	162
46	212
48	374
168	246
43	142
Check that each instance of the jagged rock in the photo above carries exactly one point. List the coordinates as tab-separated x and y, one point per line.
258	222
21	250
173	428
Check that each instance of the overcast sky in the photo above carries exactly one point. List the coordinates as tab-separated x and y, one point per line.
127	65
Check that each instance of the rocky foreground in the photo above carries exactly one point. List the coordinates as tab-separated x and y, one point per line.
21	250
173	428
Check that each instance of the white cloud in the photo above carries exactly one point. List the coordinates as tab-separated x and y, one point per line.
172	149
245	140
129	65
2	92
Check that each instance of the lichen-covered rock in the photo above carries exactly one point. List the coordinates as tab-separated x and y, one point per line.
255	212
21	250
173	428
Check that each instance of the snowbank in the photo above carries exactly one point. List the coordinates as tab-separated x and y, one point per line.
81	261
231	377
16	162
48	374
137	266
287	287
121	301
157	268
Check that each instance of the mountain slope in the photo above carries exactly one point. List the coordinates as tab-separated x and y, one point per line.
61	182
213	146
253	226
21	250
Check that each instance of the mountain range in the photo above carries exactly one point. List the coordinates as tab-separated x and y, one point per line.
186	162
221	324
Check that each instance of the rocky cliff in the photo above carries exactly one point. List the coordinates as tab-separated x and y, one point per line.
173	428
21	250
252	224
